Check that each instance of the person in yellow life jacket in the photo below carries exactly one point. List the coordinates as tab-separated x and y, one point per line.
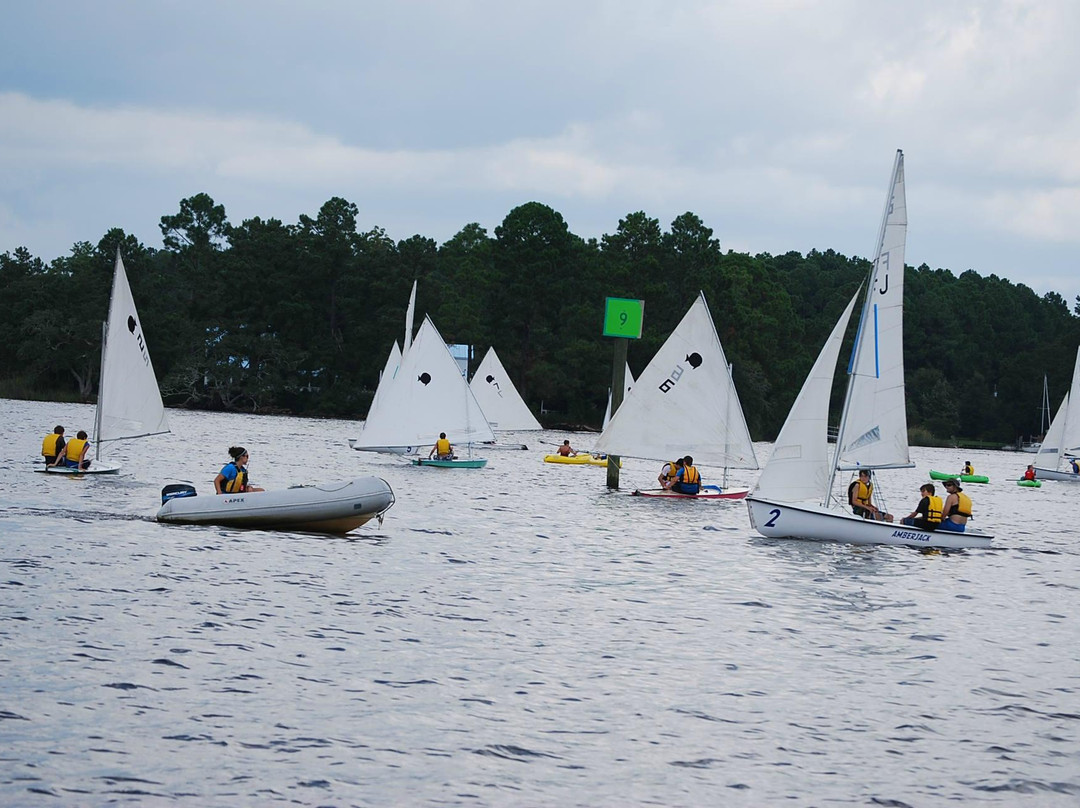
687	478
233	477
927	513
957	508
442	450
669	473
73	455
860	497
968	468
52	446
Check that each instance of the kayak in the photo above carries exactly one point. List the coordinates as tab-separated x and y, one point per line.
964	478
578	460
1030	483
336	507
472	463
707	492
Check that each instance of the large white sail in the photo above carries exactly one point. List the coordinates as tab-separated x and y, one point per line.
629	379
428	397
798	469
873	429
684	402
1063	436
498	398
129	402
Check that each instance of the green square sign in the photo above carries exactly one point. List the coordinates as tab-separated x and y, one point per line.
623	318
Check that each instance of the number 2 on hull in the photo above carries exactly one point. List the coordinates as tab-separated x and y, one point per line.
775	512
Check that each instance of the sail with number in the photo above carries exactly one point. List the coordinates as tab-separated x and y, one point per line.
499	399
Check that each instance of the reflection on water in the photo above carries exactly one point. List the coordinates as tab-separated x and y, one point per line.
518	635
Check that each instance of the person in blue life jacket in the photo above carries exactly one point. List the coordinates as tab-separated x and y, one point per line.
233	477
442	450
73	455
927	514
1075	465
53	445
957	509
687	479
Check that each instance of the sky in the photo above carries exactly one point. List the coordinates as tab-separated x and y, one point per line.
775	121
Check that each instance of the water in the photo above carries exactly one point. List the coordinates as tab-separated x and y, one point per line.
518	636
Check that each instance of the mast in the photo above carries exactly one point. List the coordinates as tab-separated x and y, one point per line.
864	323
98	445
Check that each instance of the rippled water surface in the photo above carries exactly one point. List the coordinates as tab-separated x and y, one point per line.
518	635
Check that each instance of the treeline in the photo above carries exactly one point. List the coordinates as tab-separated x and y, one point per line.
271	317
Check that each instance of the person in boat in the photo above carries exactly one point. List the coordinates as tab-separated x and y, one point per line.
687	478
1030	473
968	468
566	450
860	497
442	450
73	455
53	445
669	473
1075	465
233	477
927	514
957	508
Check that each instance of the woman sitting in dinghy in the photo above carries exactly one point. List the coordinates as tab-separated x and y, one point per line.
233	477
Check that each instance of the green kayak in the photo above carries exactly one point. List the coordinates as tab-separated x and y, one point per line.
477	463
964	478
1030	483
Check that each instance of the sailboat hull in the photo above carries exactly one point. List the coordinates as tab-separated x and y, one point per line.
785	520
475	463
326	508
95	468
707	492
1054	474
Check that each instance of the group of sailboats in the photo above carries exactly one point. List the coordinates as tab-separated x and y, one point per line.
1062	440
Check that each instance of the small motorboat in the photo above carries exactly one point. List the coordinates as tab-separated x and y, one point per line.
336	507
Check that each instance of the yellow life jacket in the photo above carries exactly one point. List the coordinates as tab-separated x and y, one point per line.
672	471
48	446
75	449
968	469
238	483
690	476
963	505
863	492
442	447
933	510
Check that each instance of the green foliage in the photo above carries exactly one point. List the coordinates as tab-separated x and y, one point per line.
271	317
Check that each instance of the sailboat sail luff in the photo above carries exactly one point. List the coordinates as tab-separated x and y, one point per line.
129	401
873	427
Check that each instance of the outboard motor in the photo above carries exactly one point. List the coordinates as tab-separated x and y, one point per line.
176	491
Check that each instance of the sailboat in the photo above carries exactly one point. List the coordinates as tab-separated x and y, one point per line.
685	402
1033	446
629	386
428	396
793	497
1063	437
499	399
129	402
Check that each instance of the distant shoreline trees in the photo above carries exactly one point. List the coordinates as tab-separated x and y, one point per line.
276	318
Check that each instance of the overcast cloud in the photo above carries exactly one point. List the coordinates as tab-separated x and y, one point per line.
775	122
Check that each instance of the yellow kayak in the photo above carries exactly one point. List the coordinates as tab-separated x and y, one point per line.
578	459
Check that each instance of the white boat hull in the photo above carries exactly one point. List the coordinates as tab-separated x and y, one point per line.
786	520
325	508
95	468
398	450
1054	474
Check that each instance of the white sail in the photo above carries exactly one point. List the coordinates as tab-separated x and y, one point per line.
629	377
386	378
684	402
428	396
1063	436
129	402
798	469
409	320
873	429
498	398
